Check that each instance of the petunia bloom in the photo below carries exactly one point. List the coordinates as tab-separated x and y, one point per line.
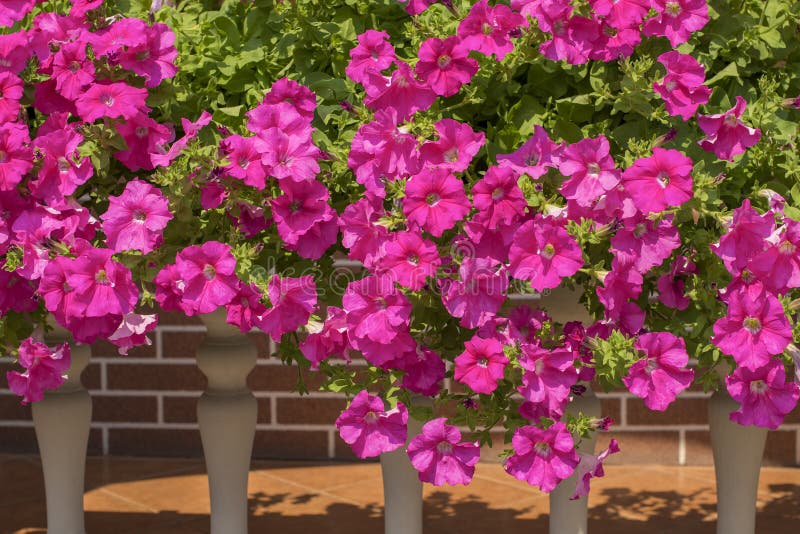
441	457
435	200
481	364
764	394
727	135
661	374
660	181
132	331
455	148
487	29
135	220
209	275
370	429
590	168
682	88
542	457
677	19
44	370
544	253
112	100
591	466
409	260
445	64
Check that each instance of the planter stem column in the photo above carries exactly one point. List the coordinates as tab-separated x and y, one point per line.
227	413
737	461
566	516
61	420
402	489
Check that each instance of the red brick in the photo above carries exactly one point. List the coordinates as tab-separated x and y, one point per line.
11	409
22	440
103	348
643	447
184	410
611	408
281	378
680	412
305	410
90	378
291	444
262	343
124	409
155	377
178	319
154	442
181	344
698	448
780	448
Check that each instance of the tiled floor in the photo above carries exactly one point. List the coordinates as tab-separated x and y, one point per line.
146	496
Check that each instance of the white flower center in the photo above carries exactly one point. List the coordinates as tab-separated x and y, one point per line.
548	251
209	271
445	447
758	387
752	325
673	9
593	170
542	449
443	61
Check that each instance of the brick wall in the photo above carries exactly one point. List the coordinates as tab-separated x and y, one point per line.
144	404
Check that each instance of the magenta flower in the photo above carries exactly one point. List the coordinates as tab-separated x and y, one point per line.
327	340
10	95
727	135
423	371
135	220
115	38
671	287
401	91
14	52
282	115
169	289
375	310
435	200
12	11
661	181
373	53
132	331
543	253
16	158
498	198
755	328
445	64
441	457
677	19
160	158
290	92
72	71
682	88
487	29
644	244
300	211
481	364
415	7
360	235
409	260
455	148
591	170
143	137
764	394
572	36
245	308
534	157
45	369
244	155
289	156
778	266
610	43
621	14
293	301
478	293
112	100
209	275
591	466
661	374
62	170
369	429
154	59
546	381
745	237
542	457
101	286
622	283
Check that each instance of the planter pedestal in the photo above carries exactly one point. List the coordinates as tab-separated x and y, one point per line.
226	414
61	420
402	489
566	516
738	451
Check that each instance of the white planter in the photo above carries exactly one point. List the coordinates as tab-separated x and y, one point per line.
226	414
566	516
738	451
62	420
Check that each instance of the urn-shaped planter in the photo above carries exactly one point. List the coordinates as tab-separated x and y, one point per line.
226	414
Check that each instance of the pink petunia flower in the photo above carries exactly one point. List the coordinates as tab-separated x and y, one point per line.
778	266
10	95
498	198
591	169
677	19
373	53
45	369
423	371
401	91
360	235
546	381
14	52
245	308
645	244
245	159
143	137
409	260
282	115
169	289
441	457
534	157
121	34
755	327
445	64
163	158
415	7
682	88
435	200
370	429
132	331
661	181
727	135
543	253
101	286
671	287
621	14
16	158
375	310
301	210
154	59
287	91
72	71
591	466
478	293
112	100
135	220
62	170
12	11
611	43
662	373
481	365
293	301
487	29
764	394
209	277
327	340
292	157
542	457
746	237
455	148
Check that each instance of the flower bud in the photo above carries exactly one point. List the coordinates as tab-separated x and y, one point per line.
666	138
